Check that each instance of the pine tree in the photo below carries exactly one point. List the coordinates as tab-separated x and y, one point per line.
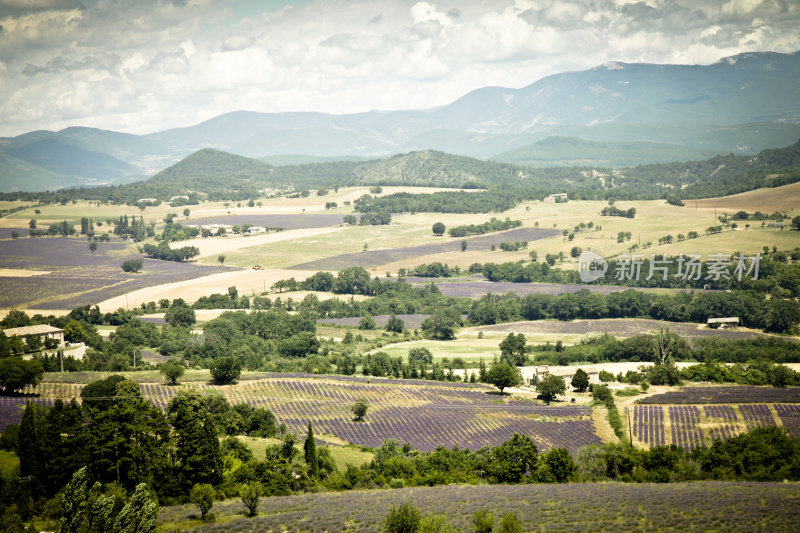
310	448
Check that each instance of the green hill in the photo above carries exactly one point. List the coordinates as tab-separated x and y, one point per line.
218	175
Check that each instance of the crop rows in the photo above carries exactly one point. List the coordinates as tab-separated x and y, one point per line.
11	408
790	418
726	394
569	507
724	412
685	431
723	432
648	425
759	415
425	417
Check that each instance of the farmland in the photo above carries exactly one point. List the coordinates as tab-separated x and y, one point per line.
78	277
612	507
424	414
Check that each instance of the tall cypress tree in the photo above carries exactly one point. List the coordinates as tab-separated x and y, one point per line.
310	448
30	442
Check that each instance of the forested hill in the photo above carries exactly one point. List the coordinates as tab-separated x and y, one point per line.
219	175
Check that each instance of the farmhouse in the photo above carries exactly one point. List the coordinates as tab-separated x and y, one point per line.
253	230
564	372
557	198
43	331
726	322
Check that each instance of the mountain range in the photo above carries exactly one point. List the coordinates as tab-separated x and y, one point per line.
616	114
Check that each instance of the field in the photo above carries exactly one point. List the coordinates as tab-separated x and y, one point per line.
343	455
77	277
424	414
784	198
596	507
617	327
315	240
698	415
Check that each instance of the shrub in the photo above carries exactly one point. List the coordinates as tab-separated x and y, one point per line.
405	519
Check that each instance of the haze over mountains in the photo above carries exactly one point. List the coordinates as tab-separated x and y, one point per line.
613	115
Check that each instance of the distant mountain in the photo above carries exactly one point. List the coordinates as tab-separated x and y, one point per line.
741	104
572	151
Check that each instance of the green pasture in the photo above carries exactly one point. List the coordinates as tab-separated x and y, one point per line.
9	462
343	455
471	350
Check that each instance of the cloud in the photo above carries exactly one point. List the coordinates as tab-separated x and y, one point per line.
146	65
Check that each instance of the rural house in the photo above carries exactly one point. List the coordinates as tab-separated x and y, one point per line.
564	372
43	331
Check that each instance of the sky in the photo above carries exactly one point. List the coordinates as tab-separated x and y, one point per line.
141	66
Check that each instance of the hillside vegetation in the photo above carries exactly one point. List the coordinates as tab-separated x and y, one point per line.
223	176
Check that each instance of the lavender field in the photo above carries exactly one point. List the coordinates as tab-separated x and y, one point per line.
690	427
77	277
618	327
468	416
409	321
726	394
573	507
372	258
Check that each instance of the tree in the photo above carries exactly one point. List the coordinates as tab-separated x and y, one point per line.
550	386
438	228
186	212
310	449
140	513
668	344
196	451
221	259
249	493
560	464
580	381
512	349
366	322
180	314
782	315
359	409
395	324
202	495
74	501
16	373
172	370
32	223
74	332
441	325
463	246
93	246
225	370
15	234
132	265
420	356
502	375
404	519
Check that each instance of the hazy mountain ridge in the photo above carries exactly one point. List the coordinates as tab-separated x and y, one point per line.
740	104
217	175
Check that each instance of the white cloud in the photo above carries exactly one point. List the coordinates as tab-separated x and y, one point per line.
146	65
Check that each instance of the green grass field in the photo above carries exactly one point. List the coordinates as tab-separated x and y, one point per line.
9	462
343	455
